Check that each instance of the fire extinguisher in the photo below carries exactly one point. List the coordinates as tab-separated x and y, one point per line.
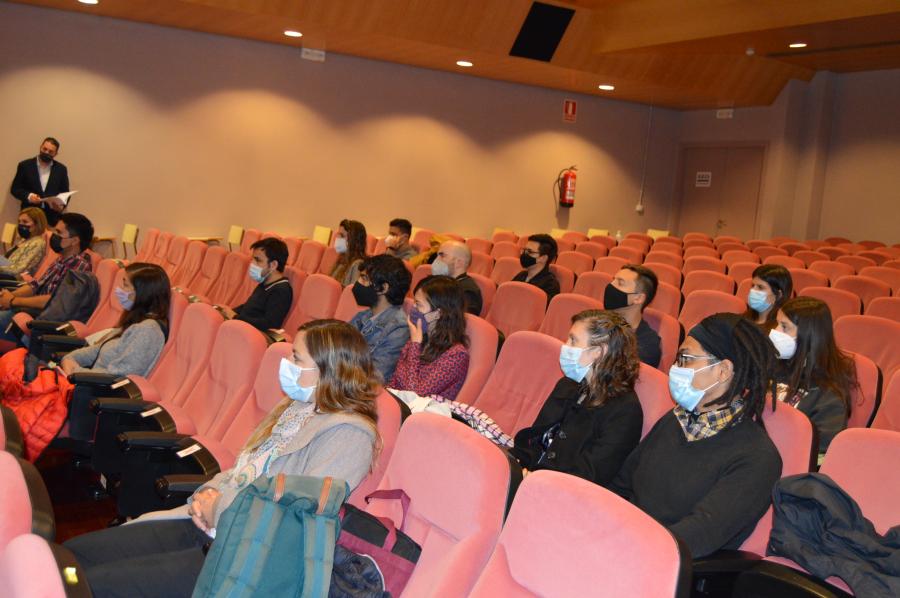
565	184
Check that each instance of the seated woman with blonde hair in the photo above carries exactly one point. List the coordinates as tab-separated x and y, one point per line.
27	254
325	426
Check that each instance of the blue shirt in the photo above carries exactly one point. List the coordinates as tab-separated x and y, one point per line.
386	335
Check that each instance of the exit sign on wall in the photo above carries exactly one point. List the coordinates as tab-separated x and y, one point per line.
569	110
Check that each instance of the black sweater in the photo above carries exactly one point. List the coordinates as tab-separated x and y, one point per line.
710	492
592	442
267	306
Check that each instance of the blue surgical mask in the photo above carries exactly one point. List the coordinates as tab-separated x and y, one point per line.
340	245
681	385
257	273
569	362
126	298
757	301
289	376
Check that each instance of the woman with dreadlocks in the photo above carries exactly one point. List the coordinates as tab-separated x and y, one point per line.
707	468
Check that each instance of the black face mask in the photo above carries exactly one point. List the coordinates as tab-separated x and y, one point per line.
613	298
56	243
366	296
45	158
24	231
527	260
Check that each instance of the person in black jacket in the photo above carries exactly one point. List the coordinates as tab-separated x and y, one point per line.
592	420
707	468
271	300
40	179
536	257
630	292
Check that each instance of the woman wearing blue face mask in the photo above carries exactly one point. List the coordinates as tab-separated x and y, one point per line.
435	361
707	468
325	426
592	420
772	286
813	374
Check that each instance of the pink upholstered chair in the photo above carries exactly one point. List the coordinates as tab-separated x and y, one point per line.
888	415
251	236
564	276
310	257
840	303
480	245
856	262
505	269
610	264
558	318
30	568
833	270
707	280
784	260
592	284
389	419
483	340
652	389
874	337
505	249
24	503
595	250
482	263
147	245
742	271
541	551
669	330
517	306
665	273
575	261
864	399
209	271
889	276
175	255
885	307
629	254
803	278
667	300
525	373
701	304
666	258
692	264
190	265
439	462
810	257
864	287
318	299
347	307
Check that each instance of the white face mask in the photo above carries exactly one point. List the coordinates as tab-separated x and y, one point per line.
340	245
785	344
439	268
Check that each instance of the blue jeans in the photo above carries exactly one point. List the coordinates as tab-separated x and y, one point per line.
148	559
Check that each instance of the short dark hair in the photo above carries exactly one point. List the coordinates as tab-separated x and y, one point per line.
779	280
79	226
275	249
52	140
547	246
403	224
389	270
646	282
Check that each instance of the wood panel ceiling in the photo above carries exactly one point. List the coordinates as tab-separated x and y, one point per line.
682	54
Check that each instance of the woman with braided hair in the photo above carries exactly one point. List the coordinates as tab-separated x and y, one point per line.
707	468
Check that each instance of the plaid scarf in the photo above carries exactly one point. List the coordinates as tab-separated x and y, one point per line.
706	425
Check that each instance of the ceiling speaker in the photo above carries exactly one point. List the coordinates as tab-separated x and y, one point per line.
542	31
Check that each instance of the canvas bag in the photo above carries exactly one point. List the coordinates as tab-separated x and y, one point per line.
276	539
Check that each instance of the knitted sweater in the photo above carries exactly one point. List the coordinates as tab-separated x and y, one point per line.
134	353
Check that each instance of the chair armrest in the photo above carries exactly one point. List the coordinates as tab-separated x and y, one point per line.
275	336
15	444
62	341
169	485
50	326
162	441
716	574
43	522
97	379
115	405
765	578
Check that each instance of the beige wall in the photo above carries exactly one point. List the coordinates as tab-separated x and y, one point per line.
193	132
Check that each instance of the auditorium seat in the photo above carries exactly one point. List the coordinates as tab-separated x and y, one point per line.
803	278
504	236
479	245
389	420
885	307
541	551
646	239
668	299
833	270
889	276
785	261
864	287
594	250
793	247
32	568
610	264
833	252
692	236
482	264
517	306
874	337
836	240
293	246
234	271
488	290
810	257
664	247
669	330
895	264
629	254
527	369
474	476
693	264
160	249
318	299
701	304
251	236
505	249
743	290
694	243
563	245
592	284
564	276
865	398
778	240
174	255
878	257
505	269
652	389
840	302
888	415
739	255
24	502
147	246
575	261
210	269
752	244
347	306
767	251
329	261
706	280
483	340
666	259
668	239
10	433
637	244
665	273
190	264
724	248
742	271
421	239
574	236
719	239
558	318
419	274
872	244
606	240
856	262
310	256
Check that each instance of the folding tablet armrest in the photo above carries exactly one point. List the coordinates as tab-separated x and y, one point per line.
169	486
50	326
103	405
61	342
154	441
10	284
96	379
765	578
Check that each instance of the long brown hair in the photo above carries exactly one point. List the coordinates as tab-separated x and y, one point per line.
152	295
348	382
818	362
444	294
779	280
356	247
615	372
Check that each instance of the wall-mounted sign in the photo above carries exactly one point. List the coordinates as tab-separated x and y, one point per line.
569	110
703	179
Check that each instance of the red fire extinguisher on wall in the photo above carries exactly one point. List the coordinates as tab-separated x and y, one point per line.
565	183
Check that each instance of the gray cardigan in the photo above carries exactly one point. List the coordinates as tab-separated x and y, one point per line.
132	354
338	445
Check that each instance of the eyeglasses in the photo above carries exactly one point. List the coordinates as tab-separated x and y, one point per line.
683	359
532	253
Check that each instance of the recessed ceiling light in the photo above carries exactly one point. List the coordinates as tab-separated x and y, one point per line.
606	87
291	33
798	45
464	63
89	1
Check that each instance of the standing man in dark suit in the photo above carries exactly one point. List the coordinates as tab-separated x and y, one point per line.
40	179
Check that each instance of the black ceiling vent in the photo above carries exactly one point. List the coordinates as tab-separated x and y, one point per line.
542	31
